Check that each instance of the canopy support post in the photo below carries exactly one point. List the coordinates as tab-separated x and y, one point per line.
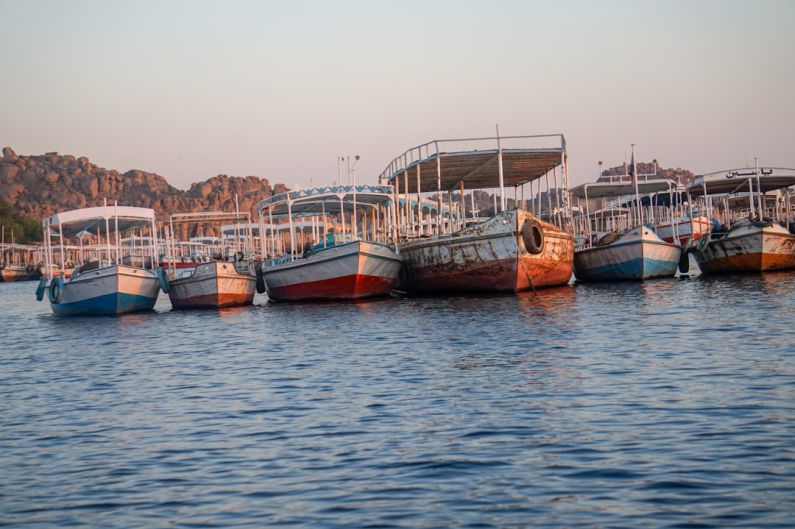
500	168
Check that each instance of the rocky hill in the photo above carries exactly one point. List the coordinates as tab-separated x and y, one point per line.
38	186
683	176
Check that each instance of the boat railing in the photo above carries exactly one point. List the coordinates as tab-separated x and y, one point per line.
433	149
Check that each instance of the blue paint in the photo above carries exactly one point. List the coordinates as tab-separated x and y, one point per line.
116	303
640	268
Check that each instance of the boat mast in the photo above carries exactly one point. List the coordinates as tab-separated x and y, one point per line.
634	175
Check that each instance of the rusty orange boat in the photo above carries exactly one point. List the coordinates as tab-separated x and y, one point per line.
758	233
447	247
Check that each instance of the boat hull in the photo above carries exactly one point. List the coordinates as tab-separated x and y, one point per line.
112	290
211	285
490	256
748	249
349	271
700	227
635	256
56	272
14	273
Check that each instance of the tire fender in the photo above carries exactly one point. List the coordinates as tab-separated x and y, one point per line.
162	278
533	236
55	292
261	288
41	289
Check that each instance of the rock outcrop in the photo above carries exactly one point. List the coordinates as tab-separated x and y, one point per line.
38	186
683	176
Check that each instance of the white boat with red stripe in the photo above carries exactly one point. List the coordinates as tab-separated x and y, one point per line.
353	260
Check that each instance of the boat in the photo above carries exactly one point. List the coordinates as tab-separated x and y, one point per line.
350	257
456	248
637	254
687	229
220	281
101	284
622	243
755	230
17	261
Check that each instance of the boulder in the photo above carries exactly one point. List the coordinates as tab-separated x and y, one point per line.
9	155
8	171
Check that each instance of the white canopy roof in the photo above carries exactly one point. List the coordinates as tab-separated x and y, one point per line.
89	219
621	189
736	180
321	200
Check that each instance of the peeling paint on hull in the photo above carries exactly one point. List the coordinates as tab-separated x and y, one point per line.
488	257
749	249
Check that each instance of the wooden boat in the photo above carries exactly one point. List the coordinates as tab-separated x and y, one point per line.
17	261
445	250
636	254
757	239
748	246
621	243
216	283
10	273
342	264
103	286
500	254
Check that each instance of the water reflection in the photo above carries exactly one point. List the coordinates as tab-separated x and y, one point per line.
655	403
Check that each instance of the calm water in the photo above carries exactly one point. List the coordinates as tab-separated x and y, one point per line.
664	404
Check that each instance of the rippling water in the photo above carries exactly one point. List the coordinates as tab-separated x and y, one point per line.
669	403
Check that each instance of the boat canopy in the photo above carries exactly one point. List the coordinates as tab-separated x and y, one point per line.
620	189
229	230
90	219
477	168
200	241
736	181
608	212
320	200
15	247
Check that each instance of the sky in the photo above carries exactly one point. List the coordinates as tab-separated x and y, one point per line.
191	89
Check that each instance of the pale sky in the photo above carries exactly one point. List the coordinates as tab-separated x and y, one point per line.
191	89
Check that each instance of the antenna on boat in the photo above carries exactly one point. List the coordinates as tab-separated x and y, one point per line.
339	169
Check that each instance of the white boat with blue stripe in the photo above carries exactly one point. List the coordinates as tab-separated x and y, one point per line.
111	278
637	254
618	241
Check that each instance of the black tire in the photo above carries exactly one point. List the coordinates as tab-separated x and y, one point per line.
55	291
260	279
684	262
533	236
